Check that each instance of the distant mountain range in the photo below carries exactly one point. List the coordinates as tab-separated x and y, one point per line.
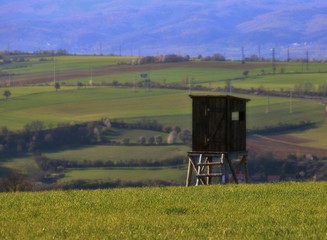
150	27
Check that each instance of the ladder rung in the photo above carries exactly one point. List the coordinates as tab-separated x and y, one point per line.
209	175
209	164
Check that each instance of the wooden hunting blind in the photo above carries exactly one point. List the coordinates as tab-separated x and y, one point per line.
218	138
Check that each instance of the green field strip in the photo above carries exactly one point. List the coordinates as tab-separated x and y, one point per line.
89	104
126	174
118	153
62	63
93	104
284	82
25	165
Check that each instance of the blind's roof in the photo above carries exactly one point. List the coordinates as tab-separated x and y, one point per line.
219	96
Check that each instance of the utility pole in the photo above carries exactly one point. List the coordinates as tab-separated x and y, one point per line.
230	88
268	104
291	102
288	54
100	48
189	84
273	60
54	71
259	52
307	60
243	58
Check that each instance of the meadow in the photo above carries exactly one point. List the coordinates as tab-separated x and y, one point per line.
133	174
35	65
81	105
255	211
281	82
169	107
114	153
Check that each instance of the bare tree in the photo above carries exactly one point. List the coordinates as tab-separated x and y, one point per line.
142	140
171	139
14	182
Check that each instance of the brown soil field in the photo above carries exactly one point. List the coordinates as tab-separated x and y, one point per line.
258	145
125	68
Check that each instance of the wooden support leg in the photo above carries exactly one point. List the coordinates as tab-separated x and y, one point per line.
209	171
199	171
232	170
243	163
246	173
224	177
189	172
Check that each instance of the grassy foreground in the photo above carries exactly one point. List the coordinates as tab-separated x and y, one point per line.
265	211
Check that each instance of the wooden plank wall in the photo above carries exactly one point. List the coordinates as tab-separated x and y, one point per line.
213	126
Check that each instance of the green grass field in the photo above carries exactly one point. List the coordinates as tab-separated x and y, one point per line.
118	153
281	82
72	105
61	63
23	164
264	211
171	107
127	174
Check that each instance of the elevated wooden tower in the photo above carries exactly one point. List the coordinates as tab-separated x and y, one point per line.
218	140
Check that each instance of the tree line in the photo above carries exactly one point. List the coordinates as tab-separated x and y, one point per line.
36	136
15	182
58	165
296	167
310	89
282	127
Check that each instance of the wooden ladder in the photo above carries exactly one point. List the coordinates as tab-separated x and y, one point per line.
222	166
206	168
